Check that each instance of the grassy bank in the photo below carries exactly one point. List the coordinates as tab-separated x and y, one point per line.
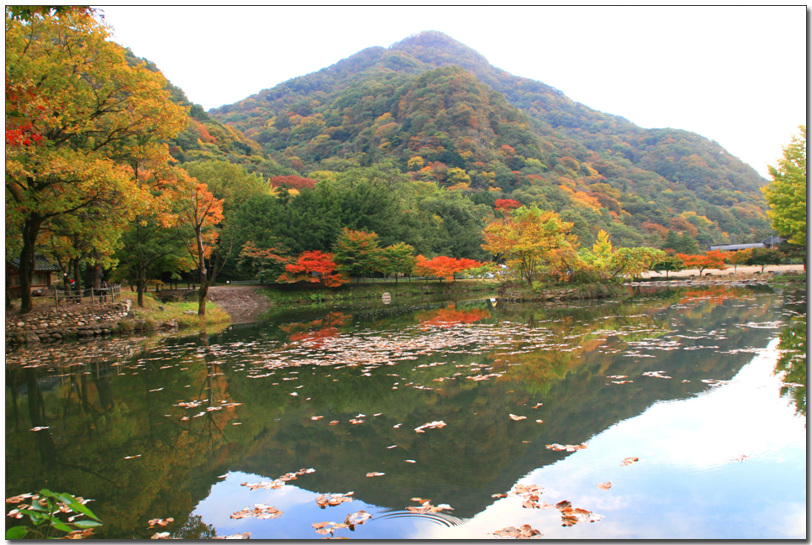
362	293
183	313
569	292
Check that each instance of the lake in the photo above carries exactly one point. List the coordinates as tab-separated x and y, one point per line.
656	417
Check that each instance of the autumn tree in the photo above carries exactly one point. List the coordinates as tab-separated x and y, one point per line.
357	253
314	266
74	107
235	186
197	214
533	243
151	245
669	263
398	258
764	256
739	257
786	193
444	266
609	264
266	264
710	260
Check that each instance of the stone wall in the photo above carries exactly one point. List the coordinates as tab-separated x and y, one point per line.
67	321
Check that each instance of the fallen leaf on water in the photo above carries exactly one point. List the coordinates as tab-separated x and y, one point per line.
571	517
333	499
431	425
427	507
333	423
741	458
244	535
316	417
539	421
537	405
410	461
605	486
160	522
131	457
359	517
629	461
515	417
356	421
160	535
375	474
260	511
568	448
522	532
39	428
499	495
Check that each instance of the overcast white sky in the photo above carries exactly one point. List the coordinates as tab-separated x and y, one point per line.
734	74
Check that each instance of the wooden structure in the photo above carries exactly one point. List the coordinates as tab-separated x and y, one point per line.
40	282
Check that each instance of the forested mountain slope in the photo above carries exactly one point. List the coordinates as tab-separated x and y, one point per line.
438	111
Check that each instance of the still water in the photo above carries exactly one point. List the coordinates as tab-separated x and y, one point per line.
658	417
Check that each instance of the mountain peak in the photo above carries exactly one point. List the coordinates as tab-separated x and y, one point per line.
429	44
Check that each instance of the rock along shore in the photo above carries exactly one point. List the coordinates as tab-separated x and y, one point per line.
66	322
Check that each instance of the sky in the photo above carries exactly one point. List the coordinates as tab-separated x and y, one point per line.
733	74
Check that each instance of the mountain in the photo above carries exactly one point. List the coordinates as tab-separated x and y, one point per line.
437	110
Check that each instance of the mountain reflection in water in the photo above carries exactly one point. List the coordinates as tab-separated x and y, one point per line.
415	409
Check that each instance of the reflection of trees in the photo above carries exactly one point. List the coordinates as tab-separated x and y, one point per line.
792	363
316	330
450	316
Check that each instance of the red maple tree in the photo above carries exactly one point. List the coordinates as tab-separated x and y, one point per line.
314	266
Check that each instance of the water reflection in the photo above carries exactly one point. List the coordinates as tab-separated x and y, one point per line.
175	427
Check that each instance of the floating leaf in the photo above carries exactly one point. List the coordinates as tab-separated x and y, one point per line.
629	461
375	474
605	486
333	422
260	511
522	532
316	417
431	425
427	507
244	535
40	428
515	417
131	457
160	535
160	522
333	499
568	448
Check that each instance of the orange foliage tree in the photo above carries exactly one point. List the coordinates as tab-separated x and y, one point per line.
198	212
316	267
711	260
444	266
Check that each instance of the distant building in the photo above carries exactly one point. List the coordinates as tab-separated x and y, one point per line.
41	279
770	242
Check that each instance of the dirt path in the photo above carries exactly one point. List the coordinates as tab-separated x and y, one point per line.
738	270
242	303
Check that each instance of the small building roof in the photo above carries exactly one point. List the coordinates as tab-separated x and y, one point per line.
41	264
735	247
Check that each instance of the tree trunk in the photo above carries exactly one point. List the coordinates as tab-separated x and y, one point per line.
30	232
204	281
